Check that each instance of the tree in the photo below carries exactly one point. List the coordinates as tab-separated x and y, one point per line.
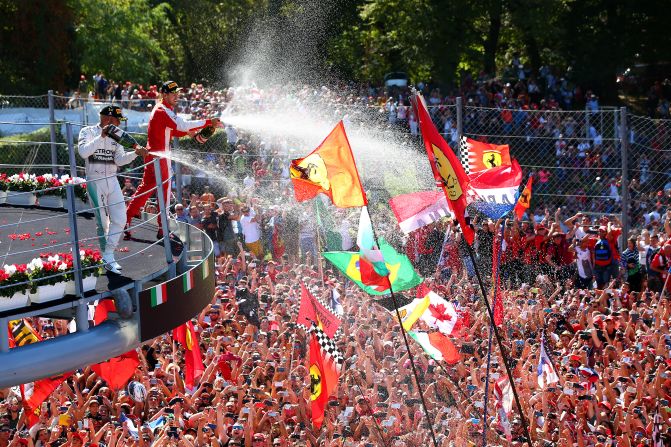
121	38
206	35
36	46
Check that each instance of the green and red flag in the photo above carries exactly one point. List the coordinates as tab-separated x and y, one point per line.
402	275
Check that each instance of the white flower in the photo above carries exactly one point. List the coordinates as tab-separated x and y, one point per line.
10	269
62	266
35	264
53	258
81	253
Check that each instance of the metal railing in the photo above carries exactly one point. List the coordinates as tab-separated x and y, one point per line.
606	161
75	241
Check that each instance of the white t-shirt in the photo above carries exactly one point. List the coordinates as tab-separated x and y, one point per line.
584	262
250	230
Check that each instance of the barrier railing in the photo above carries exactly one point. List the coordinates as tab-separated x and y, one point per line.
75	241
588	160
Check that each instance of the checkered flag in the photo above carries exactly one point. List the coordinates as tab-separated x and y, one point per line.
305	318
463	154
328	347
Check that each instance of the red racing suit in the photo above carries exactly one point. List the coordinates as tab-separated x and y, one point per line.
163	125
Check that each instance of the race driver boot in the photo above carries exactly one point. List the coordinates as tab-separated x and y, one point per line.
110	263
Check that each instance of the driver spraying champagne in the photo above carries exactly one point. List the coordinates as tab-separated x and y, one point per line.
164	124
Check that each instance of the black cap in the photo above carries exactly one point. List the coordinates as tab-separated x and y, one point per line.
114	111
169	87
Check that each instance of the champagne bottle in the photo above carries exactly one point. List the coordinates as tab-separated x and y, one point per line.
204	134
120	136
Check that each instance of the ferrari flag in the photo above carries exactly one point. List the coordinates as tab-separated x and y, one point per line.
447	170
329	169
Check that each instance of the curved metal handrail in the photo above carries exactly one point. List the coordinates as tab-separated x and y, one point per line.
56	355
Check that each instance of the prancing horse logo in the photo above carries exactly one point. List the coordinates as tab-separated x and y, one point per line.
312	169
315	382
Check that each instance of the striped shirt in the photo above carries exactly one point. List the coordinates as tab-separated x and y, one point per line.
630	257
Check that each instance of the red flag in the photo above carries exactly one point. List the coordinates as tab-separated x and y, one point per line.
193	360
312	310
117	371
447	169
324	373
34	393
496	282
524	201
102	309
483	156
329	169
417	209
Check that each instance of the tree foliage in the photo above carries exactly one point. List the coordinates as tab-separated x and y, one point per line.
36	53
48	43
121	38
435	39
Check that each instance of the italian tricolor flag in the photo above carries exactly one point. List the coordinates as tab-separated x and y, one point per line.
159	295
206	268
187	280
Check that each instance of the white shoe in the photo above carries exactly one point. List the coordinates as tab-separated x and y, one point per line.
110	264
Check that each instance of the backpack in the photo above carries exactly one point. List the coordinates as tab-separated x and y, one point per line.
602	253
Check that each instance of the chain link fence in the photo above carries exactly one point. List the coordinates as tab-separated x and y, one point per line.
574	156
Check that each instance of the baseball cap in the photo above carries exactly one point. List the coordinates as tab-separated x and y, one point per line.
170	87
114	111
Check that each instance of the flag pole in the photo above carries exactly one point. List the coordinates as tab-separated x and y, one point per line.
429	420
496	281
377	426
504	356
320	267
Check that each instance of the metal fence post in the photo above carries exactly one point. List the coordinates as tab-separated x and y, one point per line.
624	151
52	129
460	123
587	112
81	311
178	173
163	208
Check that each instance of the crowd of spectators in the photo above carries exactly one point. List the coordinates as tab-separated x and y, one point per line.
598	304
574	156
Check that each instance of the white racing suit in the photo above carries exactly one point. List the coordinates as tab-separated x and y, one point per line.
103	155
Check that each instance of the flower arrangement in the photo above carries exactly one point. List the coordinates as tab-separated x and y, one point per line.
49	271
42	184
80	186
45	183
13	278
91	262
22	182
